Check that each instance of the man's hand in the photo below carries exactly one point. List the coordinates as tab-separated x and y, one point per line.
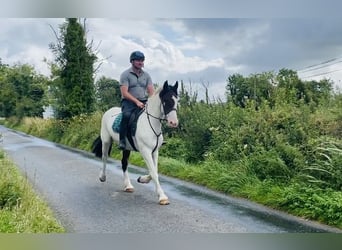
140	104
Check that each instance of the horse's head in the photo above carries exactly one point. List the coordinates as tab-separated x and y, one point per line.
169	99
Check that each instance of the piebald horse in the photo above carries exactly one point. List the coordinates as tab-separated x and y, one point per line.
162	105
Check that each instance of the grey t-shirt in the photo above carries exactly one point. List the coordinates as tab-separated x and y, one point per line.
137	85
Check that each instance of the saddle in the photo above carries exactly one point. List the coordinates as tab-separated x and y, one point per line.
132	125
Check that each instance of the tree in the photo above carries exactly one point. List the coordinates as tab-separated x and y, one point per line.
256	87
236	89
107	93
7	93
73	84
319	91
22	91
305	91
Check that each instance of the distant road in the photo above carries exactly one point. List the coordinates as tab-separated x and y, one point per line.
68	180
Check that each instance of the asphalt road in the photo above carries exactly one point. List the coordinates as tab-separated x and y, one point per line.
68	180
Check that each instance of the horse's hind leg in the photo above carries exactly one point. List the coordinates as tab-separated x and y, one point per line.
105	149
128	187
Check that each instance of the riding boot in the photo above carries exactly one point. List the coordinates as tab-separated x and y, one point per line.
123	132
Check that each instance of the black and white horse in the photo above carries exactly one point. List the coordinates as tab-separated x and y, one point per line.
162	105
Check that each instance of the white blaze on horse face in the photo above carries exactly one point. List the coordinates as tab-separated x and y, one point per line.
172	119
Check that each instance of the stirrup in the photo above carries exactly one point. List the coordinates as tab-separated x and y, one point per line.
122	146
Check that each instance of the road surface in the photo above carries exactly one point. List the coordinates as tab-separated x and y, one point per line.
68	180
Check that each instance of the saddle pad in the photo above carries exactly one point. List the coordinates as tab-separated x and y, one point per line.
116	123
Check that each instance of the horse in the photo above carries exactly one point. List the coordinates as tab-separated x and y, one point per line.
148	138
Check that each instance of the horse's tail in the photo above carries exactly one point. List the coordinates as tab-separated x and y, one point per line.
97	147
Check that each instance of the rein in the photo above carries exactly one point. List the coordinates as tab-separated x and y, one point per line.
149	121
158	118
155	133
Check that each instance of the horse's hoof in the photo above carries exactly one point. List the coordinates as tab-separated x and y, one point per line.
102	179
143	179
164	202
129	190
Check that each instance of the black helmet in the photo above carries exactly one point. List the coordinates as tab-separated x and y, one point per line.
137	55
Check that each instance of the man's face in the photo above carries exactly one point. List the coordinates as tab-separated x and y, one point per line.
138	64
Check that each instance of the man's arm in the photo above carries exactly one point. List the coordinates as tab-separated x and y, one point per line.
125	94
150	89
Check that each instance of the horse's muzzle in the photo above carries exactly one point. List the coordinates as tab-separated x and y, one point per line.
172	119
172	123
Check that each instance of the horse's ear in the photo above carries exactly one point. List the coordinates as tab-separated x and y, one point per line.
176	85
166	84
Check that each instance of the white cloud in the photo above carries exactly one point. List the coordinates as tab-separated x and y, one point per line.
196	50
163	58
34	56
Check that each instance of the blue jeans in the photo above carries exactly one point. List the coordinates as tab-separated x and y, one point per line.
127	108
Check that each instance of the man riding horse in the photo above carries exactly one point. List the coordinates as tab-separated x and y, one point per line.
135	86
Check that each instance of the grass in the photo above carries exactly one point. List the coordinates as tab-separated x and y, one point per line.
21	210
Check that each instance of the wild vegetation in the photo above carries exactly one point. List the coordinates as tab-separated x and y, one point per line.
21	211
285	153
276	139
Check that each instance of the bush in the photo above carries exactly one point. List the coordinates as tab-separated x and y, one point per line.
325	169
10	195
313	203
174	148
195	123
10	192
291	156
268	165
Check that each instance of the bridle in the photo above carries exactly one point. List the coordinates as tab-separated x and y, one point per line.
158	118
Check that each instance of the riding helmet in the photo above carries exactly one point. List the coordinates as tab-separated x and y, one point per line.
137	55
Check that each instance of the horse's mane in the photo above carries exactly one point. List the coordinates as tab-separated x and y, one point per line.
157	91
161	88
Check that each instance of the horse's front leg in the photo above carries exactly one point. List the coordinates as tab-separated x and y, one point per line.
153	169
144	179
148	178
165	199
128	187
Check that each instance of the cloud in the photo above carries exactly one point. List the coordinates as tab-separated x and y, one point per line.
33	55
196	50
163	58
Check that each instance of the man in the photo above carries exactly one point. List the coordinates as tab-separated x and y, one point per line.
135	86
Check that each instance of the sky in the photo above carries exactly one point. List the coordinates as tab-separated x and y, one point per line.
201	52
